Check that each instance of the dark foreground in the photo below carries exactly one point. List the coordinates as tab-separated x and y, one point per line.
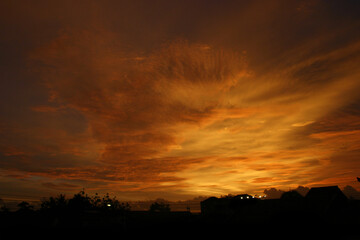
283	225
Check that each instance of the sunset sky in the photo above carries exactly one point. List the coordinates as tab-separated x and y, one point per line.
178	99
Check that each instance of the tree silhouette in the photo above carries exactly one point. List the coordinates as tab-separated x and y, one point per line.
159	207
25	207
82	202
96	201
58	203
113	204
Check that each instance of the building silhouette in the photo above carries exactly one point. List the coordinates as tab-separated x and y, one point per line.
320	202
226	205
326	200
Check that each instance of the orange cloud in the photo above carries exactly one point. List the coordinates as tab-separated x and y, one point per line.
254	97
137	107
189	101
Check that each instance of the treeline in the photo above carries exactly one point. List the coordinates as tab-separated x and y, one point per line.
82	202
84	211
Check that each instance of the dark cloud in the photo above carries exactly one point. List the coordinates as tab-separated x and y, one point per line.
273	193
60	186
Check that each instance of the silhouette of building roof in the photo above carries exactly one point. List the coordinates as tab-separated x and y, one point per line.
325	199
325	193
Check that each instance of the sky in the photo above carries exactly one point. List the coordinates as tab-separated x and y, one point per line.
178	99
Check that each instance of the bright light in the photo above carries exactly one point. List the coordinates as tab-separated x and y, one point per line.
247	197
109	205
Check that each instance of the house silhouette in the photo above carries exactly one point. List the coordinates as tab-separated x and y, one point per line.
319	201
326	200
